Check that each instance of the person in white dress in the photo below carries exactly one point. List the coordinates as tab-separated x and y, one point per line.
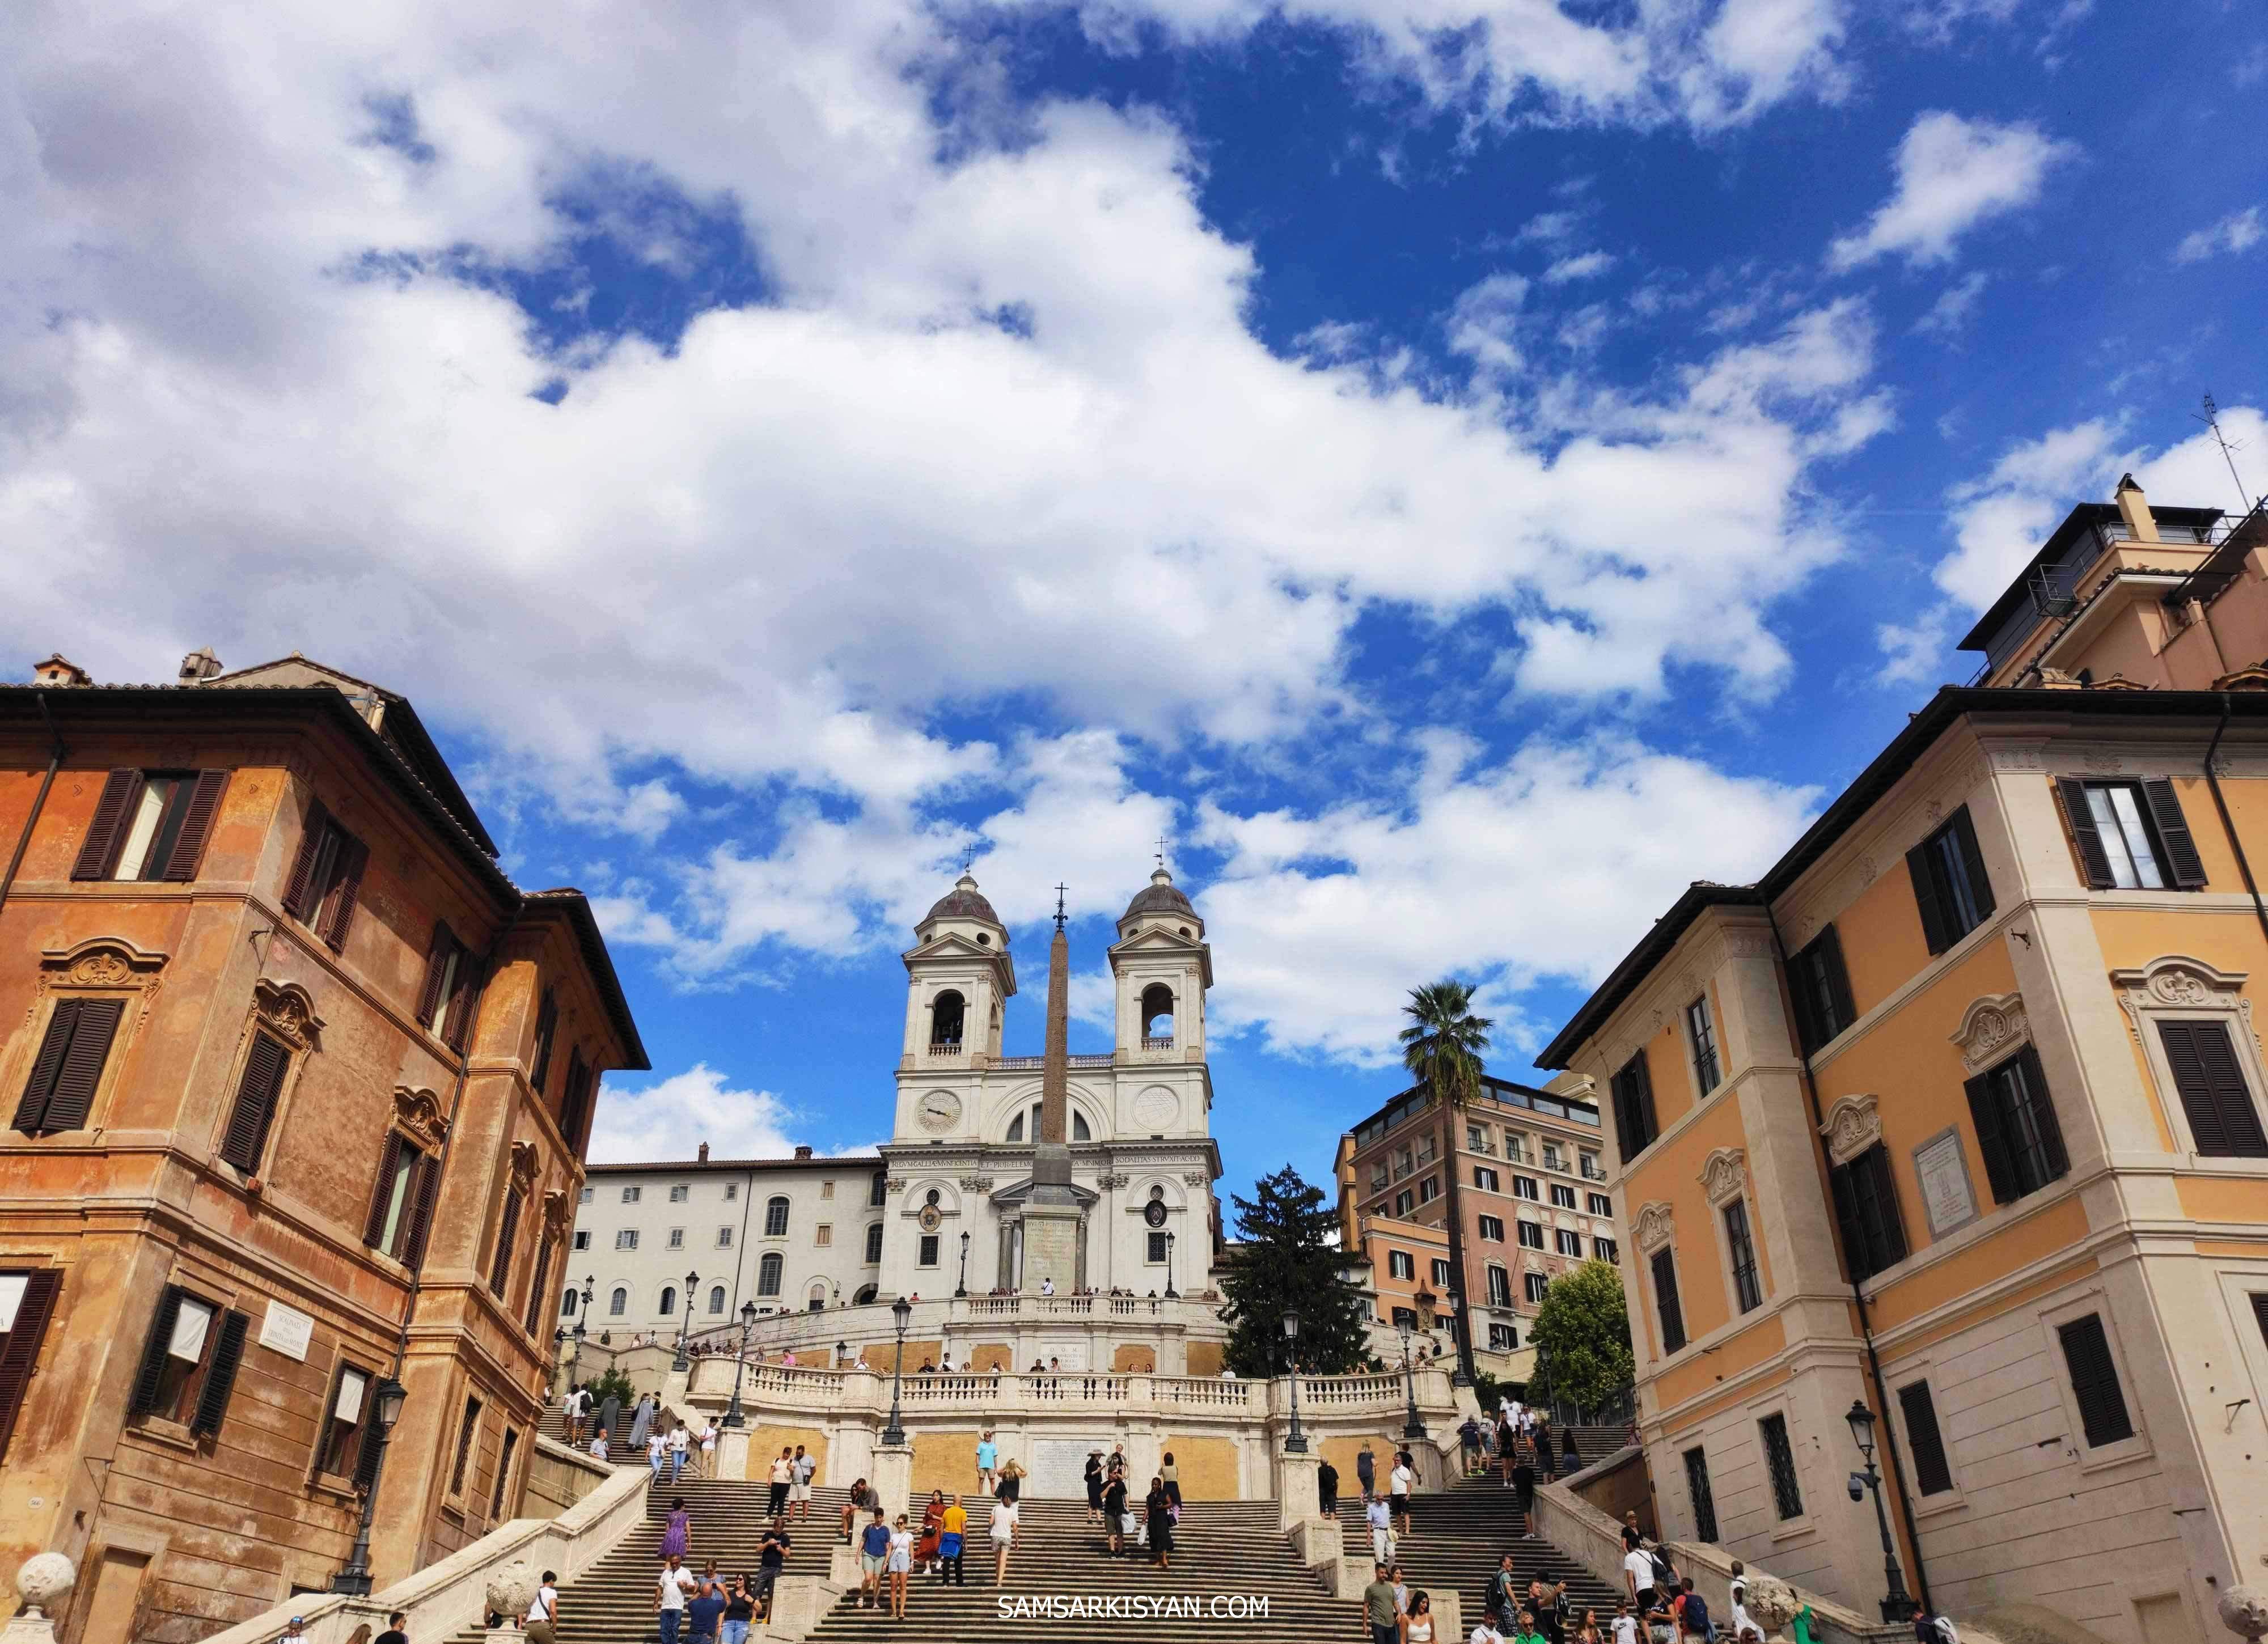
901	1564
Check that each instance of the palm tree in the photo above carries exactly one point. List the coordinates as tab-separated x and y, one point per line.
1441	1047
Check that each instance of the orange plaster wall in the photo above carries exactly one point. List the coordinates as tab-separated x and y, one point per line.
1670	1173
2223	1199
2033	1239
2131	938
1745	1351
1880	931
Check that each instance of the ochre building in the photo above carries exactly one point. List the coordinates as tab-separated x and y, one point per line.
1958	1113
298	1084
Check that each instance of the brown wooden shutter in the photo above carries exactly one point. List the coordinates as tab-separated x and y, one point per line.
197	825
2260	1314
300	888
98	853
365	1472
1932	1476
2224	1121
1992	1138
462	1004
437	964
1923	871
256	1094
2094	860
32	1108
574	1100
426	1188
389	1161
153	1353
353	855
540	1285
1665	1296
82	1068
2094	1382
1642	1090
21	1355
220	1374
500	1269
2183	865
2044	1112
547	1023
1972	860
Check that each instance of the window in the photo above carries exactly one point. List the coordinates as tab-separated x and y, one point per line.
667	1306
1441	1274
1589	1169
723	1238
567	1303
326	878
444	999
1400	1264
575	1099
1499	1286
1534	1284
1701	1039
1569	1244
716	1299
945	1020
583	1238
1477	1138
2094	1382
1951	891
1665	1300
927	1255
547	1028
878	1192
504	1472
1748	1292
631	1195
28	1302
1429	1190
1492	1228
1553	1159
679	1193
1404	1202
401	1208
1821	990
1155	1248
618	1304
586	1195
1531	1235
1524	1187
2131	836
1633	1088
732	1191
150	824
676	1239
874	1241
507	1234
1705	1500
1503	1338
467	1431
1866	1210
1605	1251
2016	1127
1563	1196
626	1239
189	1365
1780	1461
1932	1476
1515	1147
342	1434
257	1089
776	1218
1405	1316
1601	1205
1485	1179
768	1274
2224	1121
69	1066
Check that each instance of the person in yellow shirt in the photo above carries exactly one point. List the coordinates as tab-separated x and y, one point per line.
953	1538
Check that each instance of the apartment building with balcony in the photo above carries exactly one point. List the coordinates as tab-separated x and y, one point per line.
1959	1117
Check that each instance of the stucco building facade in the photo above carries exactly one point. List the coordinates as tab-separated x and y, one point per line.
300	1083
1974	1135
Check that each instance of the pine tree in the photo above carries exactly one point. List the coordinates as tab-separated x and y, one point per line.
1289	1263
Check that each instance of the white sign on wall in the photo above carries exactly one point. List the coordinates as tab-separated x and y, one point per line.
287	1331
1945	1195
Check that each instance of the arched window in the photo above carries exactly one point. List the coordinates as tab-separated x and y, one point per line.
1080	1131
768	1274
567	1303
717	1298
776	1218
618	1304
878	1191
1156	1014
1016	1124
817	1302
668	1300
864	1297
945	1014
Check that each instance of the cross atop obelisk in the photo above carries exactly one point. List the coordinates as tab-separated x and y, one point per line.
1051	1213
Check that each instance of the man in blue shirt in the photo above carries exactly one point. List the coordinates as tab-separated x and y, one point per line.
988	1457
873	1559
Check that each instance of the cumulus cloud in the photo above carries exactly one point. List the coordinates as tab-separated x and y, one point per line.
672	1118
1955	306
2239	230
1589	266
1953	174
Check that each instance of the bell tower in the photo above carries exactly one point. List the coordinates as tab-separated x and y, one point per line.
1163	966
959	978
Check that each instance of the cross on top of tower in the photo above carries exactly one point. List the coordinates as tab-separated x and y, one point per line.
1161	850
1059	906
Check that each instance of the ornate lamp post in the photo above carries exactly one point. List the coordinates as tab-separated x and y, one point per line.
582	1329
1413	1427
1296	1443
962	1288
900	1310
1170	1292
683	1362
733	1416
842	1352
1897	1604
388	1398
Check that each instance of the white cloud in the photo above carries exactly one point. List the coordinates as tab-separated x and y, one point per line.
2239	230
1949	315
1914	653
671	1119
1952	174
1589	266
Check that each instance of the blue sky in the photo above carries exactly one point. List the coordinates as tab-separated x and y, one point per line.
1459	469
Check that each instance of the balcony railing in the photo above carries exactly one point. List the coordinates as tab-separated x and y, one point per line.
1026	1064
1149	1043
940	1050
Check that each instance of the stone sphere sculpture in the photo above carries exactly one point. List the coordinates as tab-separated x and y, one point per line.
44	1581
1772	1604
511	1590
2244	1611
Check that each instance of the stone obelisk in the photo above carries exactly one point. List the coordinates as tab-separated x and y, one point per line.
1051	1213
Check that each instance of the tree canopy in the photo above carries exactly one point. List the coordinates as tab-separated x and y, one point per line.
1288	1262
1441	1047
1582	1338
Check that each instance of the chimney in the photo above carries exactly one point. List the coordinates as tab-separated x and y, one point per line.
803	1153
2134	509
60	669
704	1155
199	665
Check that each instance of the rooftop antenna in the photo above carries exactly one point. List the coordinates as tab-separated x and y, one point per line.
2211	418
1059	906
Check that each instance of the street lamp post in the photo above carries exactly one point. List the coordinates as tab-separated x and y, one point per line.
582	1329
1170	1292
387	1397
900	1310
1897	1604
733	1416
683	1362
1296	1443
1413	1427
963	1288
559	1349
842	1352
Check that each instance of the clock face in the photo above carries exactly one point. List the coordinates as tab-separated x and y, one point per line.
939	1110
1155	1213
1155	1109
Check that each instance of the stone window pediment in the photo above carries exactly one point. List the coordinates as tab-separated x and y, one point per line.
1854	1123
1991	1027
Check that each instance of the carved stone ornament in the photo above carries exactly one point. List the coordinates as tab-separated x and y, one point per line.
107	962
1852	1126
1989	1027
894	1185
523	1166
1772	1604
2106	763
1109	1179
1724	1174
287	1009
2175	981
45	1580
1196	1178
2026	757
1750	944
419	1114
558	1213
1935	811
1868	871
1654	1226
2243	1610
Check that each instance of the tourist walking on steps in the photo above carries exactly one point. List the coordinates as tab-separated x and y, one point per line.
902	1565
679	1440
1400	1483
1011	1487
1502	1596
1004	1537
933	1527
1523	1494
1468	1446
863	1499
704	1611
1094	1486
771	1561
1418	1621
740	1613
1380	1609
953	1545
1571	1459
570	1415
709	1448
1380	1517
800	1491
1172	1475
671	1589
1158	1508
1365	1473
543	1618
676	1530
598	1444
1114	1512
657	1453
1327	1491
873	1562
1524	1631
783	1476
